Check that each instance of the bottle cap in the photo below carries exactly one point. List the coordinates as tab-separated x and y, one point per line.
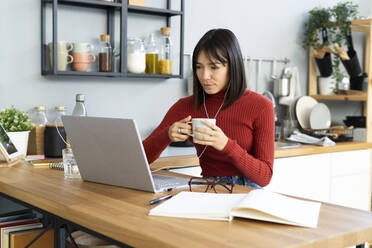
60	108
39	108
165	30
105	37
80	97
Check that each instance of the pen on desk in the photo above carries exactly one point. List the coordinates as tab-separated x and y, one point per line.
160	199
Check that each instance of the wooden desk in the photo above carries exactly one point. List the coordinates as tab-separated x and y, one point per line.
122	214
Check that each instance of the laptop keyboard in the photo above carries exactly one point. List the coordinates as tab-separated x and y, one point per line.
167	182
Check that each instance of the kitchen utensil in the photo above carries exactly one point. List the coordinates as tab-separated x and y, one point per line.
249	74
320	116
259	63
304	106
273	71
294	85
281	87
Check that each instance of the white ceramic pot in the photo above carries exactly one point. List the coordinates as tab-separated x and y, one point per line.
326	85
20	140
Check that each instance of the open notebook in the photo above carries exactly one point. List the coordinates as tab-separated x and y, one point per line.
258	204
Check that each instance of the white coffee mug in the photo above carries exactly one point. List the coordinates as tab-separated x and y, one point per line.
82	47
63	59
198	123
62	46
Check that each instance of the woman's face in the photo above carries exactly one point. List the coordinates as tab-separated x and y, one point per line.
212	74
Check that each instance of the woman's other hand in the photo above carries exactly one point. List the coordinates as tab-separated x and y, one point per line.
180	130
215	137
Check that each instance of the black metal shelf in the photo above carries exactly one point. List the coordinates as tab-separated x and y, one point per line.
83	73
110	8
135	75
108	74
88	3
153	11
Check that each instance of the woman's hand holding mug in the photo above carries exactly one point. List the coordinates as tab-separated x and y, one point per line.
212	136
180	130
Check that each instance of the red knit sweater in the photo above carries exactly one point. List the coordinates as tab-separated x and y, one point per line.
249	125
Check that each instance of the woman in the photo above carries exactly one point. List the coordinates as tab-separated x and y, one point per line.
241	144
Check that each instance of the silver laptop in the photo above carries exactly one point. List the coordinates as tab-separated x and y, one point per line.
110	151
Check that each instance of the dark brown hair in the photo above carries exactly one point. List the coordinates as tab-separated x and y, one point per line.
222	45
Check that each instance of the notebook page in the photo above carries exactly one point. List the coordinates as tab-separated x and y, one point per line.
300	212
198	205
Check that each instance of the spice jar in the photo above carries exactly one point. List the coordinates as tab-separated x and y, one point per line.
165	60
136	56
105	54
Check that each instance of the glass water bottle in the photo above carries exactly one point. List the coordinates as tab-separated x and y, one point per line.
55	134
79	109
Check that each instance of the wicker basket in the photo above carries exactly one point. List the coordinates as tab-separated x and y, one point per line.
36	141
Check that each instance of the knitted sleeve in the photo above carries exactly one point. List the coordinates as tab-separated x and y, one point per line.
158	140
258	166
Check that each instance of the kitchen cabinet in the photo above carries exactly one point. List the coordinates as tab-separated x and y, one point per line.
350	179
365	26
303	176
110	8
335	177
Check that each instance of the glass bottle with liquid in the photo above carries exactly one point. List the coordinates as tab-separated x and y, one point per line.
152	55
39	117
165	60
105	54
79	109
36	136
55	134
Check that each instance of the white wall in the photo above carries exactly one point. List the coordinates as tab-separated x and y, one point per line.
264	28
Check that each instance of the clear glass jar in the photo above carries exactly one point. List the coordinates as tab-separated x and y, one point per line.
39	117
165	60
105	54
152	55
136	56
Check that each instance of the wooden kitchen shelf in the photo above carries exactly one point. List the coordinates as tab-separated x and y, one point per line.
363	25
362	98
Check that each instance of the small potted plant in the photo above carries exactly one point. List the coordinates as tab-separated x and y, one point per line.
318	25
17	124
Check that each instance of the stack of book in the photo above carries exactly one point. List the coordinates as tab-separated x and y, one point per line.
19	228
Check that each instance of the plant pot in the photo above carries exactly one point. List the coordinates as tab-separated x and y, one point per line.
356	83
325	65
326	85
352	65
20	140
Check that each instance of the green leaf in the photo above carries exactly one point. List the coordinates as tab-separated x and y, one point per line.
15	120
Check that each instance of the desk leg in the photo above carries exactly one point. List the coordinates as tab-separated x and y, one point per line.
59	234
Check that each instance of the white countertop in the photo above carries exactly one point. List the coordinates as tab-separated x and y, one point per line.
172	151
